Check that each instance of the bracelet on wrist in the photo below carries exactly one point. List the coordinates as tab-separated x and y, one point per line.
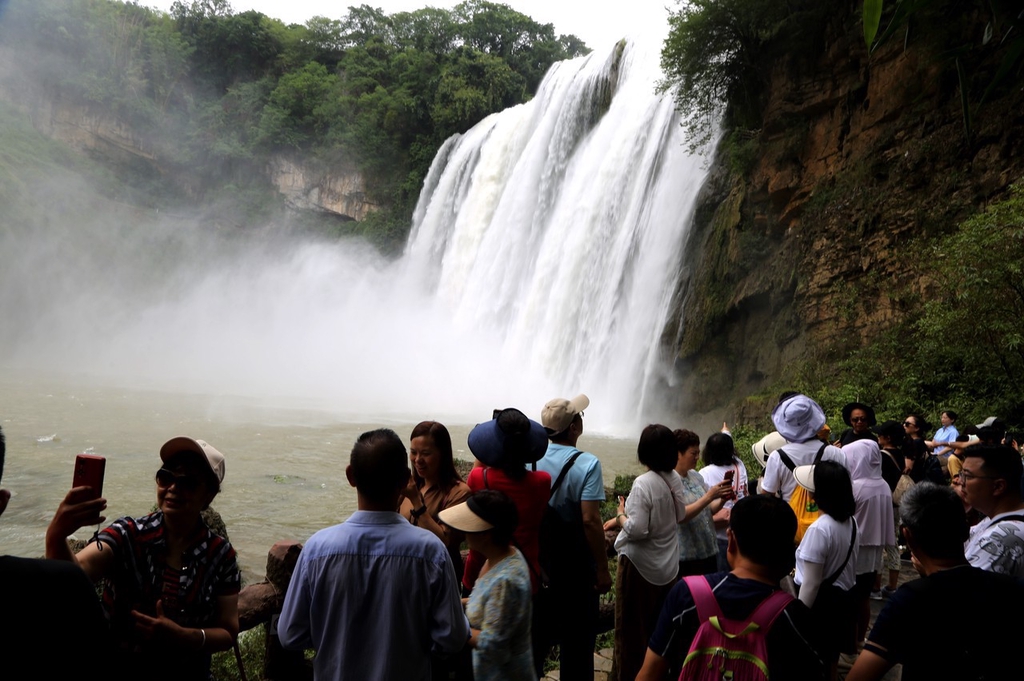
417	512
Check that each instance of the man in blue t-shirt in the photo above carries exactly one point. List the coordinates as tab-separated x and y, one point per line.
574	596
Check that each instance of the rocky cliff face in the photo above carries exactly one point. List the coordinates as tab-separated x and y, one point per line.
338	192
342	194
819	243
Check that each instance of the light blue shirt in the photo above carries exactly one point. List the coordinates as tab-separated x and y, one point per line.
583	482
945	434
373	597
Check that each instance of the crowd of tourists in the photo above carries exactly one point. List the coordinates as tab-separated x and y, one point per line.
720	572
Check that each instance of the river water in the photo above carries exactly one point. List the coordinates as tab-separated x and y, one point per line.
285	465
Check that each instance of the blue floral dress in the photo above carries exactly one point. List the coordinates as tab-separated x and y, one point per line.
500	607
696	536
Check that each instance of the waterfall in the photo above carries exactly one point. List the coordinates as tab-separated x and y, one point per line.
544	259
559	224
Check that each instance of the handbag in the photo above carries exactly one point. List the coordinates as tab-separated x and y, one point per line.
902	485
905	483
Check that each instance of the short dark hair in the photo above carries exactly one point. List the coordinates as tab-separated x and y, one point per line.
499	510
950	414
719	450
999	461
921	422
764	528
685	439
657	448
935	516
379	464
833	490
442	439
785	395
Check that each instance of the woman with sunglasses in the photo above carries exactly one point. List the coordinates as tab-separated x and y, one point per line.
920	464
171	585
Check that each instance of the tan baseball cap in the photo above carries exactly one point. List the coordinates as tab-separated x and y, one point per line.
557	414
213	458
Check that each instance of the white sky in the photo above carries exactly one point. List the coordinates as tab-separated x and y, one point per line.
600	23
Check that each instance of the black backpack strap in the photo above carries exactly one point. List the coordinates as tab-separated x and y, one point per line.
821	453
1018	518
788	462
486	486
565	471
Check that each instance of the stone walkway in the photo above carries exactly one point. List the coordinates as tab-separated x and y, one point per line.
603	657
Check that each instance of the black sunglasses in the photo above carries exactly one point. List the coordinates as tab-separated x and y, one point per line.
186	483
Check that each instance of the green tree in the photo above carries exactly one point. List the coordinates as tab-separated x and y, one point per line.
971	335
298	109
472	87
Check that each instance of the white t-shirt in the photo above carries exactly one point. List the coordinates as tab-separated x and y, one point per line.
654	507
777	476
827	542
714	475
998	547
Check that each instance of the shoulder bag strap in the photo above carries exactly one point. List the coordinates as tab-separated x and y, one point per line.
1018	518
786	460
821	453
703	597
486	486
565	471
853	542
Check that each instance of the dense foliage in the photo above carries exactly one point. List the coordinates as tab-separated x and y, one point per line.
718	52
216	92
961	349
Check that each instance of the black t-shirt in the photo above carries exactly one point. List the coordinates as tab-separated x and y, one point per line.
50	618
963	623
849	436
892	467
792	641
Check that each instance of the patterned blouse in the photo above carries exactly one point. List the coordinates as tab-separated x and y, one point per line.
697	536
141	577
500	607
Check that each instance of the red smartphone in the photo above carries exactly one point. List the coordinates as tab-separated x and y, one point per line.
728	478
89	473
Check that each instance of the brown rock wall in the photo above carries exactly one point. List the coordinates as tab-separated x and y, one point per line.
860	163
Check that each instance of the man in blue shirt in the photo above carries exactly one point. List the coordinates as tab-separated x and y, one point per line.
374	596
573	605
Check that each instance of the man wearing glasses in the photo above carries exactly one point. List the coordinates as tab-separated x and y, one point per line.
990	483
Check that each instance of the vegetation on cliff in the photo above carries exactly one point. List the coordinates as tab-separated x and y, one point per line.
214	93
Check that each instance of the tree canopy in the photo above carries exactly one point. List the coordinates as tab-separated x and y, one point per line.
218	91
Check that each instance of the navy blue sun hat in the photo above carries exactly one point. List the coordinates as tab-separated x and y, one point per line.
510	437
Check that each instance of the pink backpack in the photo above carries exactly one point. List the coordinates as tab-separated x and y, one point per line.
725	649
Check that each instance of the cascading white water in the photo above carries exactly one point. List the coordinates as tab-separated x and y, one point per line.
559	225
543	261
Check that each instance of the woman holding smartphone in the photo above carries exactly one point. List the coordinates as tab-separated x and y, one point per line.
171	590
722	465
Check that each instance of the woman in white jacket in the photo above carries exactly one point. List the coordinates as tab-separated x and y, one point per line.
648	548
